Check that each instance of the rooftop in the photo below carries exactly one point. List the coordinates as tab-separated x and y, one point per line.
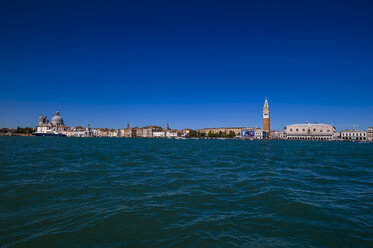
309	124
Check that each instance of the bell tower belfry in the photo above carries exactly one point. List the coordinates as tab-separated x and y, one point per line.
266	122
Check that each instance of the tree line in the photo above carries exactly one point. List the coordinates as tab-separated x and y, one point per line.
26	130
210	134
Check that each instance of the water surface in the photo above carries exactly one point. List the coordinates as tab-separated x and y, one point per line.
116	192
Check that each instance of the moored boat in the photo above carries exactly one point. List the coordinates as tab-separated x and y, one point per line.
49	133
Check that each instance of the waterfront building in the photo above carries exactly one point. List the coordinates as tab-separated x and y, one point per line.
80	132
100	132
105	132
353	135
129	132
145	132
114	133
148	131
78	129
309	131
88	131
261	134
277	134
186	131
73	133
172	134
133	132
337	135
139	132
254	133
155	128
370	134
266	117
120	132
159	134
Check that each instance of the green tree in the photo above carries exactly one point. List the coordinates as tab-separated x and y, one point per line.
193	133
231	134
4	130
29	130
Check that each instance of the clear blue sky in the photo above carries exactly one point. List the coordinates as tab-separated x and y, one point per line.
187	63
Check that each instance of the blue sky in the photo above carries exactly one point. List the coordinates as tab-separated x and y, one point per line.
187	63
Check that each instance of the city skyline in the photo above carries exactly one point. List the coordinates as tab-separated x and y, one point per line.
265	126
196	64
306	131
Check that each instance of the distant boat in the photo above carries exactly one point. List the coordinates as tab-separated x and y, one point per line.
49	133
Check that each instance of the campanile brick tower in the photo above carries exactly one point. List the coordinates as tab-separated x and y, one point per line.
266	125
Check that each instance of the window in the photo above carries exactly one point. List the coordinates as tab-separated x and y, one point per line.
297	130
321	131
328	130
314	129
304	129
291	130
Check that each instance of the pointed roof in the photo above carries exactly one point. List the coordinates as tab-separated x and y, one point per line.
266	104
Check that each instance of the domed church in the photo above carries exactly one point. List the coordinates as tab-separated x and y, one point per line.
57	120
56	123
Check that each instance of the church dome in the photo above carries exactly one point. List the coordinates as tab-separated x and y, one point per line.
57	120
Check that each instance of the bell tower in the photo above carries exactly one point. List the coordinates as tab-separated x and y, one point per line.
266	123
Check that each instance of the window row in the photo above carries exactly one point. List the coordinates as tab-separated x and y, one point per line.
309	130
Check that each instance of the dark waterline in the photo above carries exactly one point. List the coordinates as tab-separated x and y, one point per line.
107	192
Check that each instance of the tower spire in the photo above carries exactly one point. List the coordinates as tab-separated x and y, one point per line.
266	104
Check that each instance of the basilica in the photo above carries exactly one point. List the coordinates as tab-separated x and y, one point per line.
56	124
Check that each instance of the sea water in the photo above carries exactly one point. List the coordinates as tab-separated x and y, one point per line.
123	192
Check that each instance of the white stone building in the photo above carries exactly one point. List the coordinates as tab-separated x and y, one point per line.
88	131
120	132
71	133
261	134
147	132
277	134
172	134
353	135
114	133
337	135
309	131
159	134
370	134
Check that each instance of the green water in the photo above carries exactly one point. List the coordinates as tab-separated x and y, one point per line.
116	192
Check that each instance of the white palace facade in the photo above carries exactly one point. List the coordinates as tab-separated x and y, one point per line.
309	131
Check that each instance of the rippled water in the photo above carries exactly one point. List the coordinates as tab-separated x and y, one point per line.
102	192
